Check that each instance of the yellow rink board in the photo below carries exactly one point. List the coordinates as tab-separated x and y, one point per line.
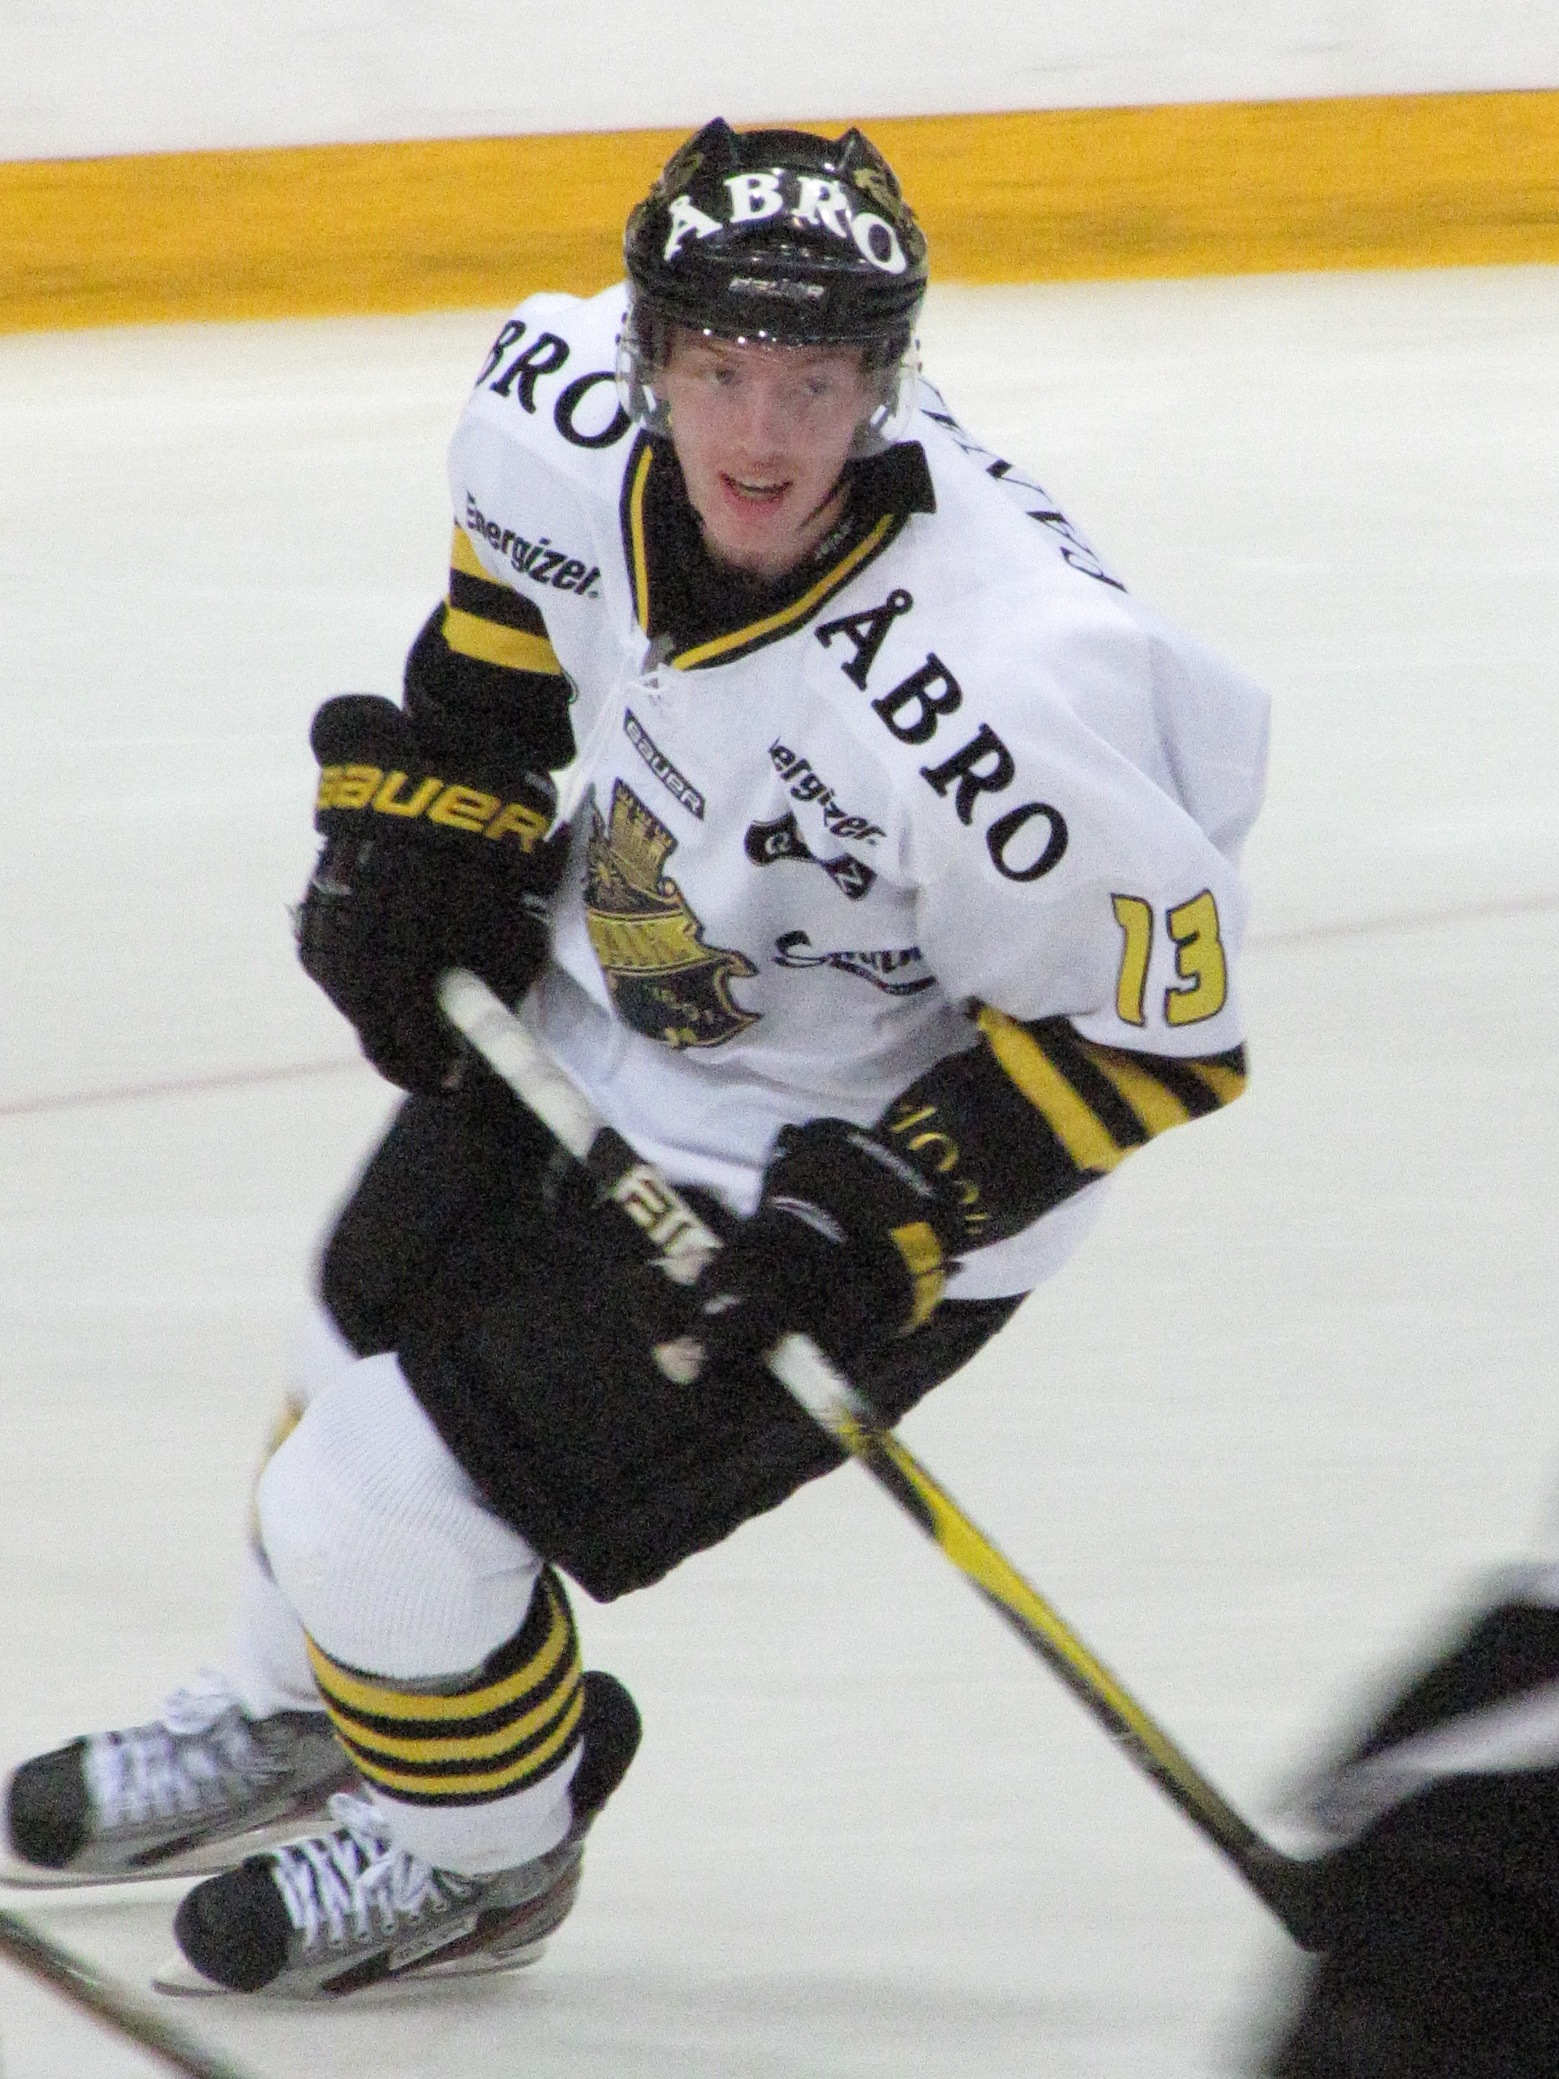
1203	188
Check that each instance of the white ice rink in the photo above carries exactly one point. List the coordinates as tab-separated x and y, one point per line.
1292	1400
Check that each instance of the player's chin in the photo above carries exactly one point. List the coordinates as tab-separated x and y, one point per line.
753	534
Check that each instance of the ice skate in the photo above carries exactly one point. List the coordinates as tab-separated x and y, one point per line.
192	1792
344	1909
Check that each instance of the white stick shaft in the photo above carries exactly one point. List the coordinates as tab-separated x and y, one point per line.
527	1068
818	1384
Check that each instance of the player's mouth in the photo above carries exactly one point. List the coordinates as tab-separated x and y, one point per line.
750	492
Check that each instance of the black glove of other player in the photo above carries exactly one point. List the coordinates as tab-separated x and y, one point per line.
849	1245
1441	1907
1442	1964
423	868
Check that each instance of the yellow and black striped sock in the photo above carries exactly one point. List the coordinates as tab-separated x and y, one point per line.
475	1738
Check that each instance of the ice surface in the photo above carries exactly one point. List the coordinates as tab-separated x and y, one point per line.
1293	1399
182	75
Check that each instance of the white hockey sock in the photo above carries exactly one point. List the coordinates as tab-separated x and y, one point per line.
267	1660
472	1772
322	1353
448	1657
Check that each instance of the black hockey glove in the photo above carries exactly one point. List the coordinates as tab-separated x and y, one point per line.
1442	1904
424	867
849	1245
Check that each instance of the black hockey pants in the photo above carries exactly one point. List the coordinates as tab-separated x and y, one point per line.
521	1314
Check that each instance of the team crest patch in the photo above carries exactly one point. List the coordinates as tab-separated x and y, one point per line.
665	981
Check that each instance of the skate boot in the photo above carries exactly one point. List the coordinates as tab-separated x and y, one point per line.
344	1909
195	1791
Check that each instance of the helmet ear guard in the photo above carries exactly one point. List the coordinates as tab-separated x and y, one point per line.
780	238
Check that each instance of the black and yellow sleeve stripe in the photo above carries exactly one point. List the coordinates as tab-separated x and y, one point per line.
485	620
512	1724
1033	1114
483	668
1098	1102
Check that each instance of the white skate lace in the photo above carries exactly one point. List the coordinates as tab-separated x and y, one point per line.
181	1763
338	1885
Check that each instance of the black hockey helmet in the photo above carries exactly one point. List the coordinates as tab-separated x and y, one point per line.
778	236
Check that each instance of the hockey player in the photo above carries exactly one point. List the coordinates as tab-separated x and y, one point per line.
1442	1897
892	903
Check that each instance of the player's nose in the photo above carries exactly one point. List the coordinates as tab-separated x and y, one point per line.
767	418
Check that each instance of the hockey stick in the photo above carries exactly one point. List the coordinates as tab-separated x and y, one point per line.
1286	1885
88	1988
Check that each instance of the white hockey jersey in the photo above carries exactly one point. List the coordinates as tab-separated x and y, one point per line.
964	769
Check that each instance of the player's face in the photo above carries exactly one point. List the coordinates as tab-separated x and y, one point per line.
762	433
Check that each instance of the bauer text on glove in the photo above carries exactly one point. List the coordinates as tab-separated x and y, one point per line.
425	865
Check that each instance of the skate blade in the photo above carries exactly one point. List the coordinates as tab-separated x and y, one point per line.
210	1861
178	1978
181	1980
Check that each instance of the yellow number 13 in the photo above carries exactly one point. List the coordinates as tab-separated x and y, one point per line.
1199	960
